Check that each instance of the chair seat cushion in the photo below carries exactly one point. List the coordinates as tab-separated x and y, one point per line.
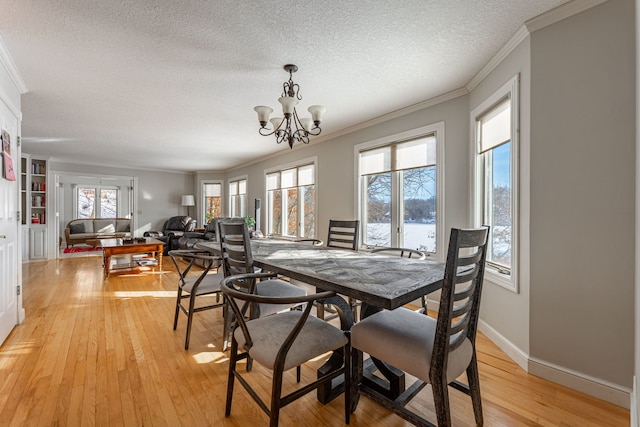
276	288
268	333
210	284
404	339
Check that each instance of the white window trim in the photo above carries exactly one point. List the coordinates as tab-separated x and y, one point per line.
295	164
201	203
509	89
97	187
438	130
236	179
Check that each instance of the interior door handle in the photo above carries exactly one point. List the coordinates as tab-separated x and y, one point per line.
2	236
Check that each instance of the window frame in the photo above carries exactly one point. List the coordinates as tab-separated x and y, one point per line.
98	203
202	195
510	90
438	130
243	206
310	161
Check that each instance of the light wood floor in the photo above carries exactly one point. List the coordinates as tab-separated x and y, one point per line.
94	352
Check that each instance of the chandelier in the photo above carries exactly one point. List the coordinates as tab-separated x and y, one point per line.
290	128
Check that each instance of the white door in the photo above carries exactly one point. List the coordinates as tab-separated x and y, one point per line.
9	260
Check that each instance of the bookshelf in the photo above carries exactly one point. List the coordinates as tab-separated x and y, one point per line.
34	203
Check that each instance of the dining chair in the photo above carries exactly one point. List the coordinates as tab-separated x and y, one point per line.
343	234
280	342
405	253
195	282
434	350
237	259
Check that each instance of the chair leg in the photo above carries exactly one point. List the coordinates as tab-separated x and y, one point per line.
276	393
347	383
298	373
441	401
192	303
474	389
175	320
226	326
230	379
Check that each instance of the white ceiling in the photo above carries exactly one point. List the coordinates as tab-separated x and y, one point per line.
171	85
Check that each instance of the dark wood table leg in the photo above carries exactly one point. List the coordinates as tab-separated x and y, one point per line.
329	391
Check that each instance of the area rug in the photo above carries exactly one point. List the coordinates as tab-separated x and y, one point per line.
81	249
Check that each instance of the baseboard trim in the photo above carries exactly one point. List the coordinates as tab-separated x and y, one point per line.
596	387
634	403
515	353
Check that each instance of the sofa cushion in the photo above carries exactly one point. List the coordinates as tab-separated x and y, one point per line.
88	224
123	226
76	228
104	226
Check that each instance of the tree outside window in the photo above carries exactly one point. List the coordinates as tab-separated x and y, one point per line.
399	184
212	196
96	202
291	202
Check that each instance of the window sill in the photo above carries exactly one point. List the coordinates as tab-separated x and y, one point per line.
506	281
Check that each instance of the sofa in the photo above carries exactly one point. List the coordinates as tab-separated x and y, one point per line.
172	230
189	239
84	230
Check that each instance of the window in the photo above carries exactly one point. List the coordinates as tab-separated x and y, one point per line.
291	201
400	188
496	162
96	202
238	198
212	196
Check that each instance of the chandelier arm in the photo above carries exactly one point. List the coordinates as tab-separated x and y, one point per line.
262	131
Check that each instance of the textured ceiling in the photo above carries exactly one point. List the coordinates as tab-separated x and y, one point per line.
172	84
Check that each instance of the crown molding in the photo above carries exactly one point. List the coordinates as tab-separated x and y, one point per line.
559	13
397	113
7	61
551	17
504	51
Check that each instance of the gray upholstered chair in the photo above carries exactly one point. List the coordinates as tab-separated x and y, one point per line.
237	259
435	351
404	253
280	342
195	282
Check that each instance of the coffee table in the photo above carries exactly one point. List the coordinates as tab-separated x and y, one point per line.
114	247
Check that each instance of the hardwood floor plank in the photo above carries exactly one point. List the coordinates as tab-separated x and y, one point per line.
96	352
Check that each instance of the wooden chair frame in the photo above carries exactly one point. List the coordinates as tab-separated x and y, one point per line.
245	292
192	257
457	320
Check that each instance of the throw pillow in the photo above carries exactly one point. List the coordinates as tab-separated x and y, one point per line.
76	228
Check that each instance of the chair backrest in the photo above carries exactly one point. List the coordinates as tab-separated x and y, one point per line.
460	297
400	252
343	234
211	230
236	248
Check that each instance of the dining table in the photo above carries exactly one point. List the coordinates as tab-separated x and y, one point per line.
378	281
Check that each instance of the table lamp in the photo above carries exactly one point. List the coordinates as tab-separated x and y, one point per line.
188	200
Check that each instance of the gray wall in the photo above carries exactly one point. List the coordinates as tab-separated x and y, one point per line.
582	192
159	193
505	311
